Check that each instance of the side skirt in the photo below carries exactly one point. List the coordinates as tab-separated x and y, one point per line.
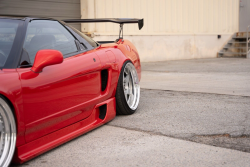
39	146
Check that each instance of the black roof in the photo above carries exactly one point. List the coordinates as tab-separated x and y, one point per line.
23	17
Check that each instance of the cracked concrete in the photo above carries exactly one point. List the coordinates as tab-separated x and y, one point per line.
192	116
241	143
114	146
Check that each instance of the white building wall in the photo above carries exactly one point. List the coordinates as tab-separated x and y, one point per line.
173	29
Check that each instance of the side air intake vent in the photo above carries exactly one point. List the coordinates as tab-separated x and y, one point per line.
104	77
103	111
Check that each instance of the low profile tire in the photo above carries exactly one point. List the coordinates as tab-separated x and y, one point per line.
7	133
128	90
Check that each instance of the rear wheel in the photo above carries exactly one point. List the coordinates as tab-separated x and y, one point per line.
128	90
7	133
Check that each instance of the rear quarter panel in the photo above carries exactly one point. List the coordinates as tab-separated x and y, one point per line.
124	50
130	52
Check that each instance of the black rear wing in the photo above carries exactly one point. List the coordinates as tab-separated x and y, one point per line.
120	21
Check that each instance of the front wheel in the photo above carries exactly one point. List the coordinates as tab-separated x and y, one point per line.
128	90
7	133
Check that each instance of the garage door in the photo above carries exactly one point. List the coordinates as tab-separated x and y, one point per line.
58	9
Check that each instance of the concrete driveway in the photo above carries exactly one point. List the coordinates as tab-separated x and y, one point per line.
191	113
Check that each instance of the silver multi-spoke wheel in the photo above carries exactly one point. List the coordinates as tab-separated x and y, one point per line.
131	86
7	134
128	90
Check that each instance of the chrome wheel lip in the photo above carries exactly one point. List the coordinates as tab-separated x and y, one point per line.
8	134
131	86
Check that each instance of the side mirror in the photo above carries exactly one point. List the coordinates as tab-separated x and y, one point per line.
46	58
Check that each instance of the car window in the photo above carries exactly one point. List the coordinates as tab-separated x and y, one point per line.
48	34
88	39
8	29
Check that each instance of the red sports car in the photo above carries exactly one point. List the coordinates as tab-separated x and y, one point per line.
56	83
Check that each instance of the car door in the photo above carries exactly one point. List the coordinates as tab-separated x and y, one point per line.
61	94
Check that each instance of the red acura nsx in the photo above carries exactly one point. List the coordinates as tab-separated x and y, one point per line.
57	83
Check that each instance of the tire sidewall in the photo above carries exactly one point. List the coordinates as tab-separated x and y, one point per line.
122	104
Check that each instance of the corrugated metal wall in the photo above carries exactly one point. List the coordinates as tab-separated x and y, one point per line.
170	16
59	9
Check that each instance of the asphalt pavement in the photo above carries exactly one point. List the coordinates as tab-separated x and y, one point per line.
191	113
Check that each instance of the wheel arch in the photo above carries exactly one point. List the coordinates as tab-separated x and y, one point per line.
18	116
9	119
11	107
129	53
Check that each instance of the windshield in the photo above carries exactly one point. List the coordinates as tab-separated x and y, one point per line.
8	29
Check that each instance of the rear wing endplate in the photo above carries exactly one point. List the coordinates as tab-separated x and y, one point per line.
120	21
